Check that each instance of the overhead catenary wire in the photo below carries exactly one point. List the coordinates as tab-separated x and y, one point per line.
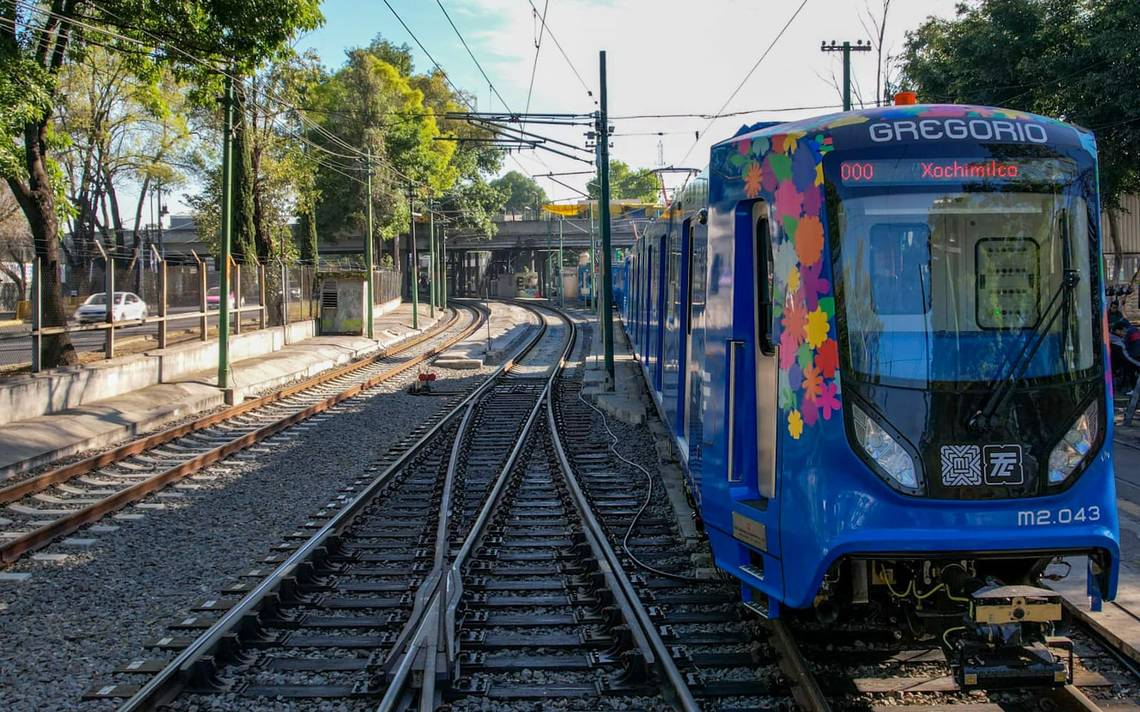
471	54
744	81
537	50
589	91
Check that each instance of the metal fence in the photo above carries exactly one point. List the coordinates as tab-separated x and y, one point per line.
128	305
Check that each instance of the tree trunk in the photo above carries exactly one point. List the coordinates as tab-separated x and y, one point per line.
37	199
116	216
244	245
1117	245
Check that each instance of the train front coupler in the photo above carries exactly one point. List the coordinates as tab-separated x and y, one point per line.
1006	639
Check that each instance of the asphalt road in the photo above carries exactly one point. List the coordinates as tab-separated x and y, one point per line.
18	349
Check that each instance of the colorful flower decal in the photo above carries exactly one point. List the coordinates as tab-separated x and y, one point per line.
827	358
786	171
809	411
789	202
795	325
817	328
828	400
768	179
809	240
795	424
812	285
812	383
753	180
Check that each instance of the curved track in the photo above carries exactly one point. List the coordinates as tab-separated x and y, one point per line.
44	507
351	586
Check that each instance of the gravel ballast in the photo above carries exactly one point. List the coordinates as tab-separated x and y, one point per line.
73	622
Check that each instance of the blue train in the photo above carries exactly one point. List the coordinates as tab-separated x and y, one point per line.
879	340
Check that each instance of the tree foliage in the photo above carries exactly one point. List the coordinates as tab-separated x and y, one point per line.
39	40
628	184
522	192
1071	59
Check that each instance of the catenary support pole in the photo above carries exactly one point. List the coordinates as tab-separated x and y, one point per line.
432	294
369	252
605	304
561	282
415	257
227	234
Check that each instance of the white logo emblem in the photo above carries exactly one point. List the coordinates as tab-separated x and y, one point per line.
1003	465
961	465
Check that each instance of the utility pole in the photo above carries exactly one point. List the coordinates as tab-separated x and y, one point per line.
415	259
606	314
369	256
431	247
846	48
227	233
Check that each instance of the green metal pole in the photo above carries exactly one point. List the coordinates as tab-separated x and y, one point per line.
227	233
593	266
549	279
432	294
415	257
607	316
561	291
443	267
847	76
369	256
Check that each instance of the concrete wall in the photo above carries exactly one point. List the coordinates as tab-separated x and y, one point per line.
39	394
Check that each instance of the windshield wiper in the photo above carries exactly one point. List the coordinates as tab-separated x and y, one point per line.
1061	303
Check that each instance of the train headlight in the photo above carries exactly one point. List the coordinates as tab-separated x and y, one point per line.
1076	444
883	449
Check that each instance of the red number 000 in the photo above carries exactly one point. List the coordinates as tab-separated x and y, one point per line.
856	171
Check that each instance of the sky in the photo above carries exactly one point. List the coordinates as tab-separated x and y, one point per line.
663	57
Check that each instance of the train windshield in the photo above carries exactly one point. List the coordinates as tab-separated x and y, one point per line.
945	287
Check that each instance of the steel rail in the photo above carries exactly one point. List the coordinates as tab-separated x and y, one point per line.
40	482
425	639
13	549
197	656
805	688
653	647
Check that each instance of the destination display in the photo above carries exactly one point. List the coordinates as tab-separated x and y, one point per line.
922	171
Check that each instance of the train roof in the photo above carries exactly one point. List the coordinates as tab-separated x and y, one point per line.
852	129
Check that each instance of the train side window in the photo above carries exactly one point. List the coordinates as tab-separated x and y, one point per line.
764	283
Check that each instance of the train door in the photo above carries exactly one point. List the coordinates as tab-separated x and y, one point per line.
646	307
766	358
681	425
659	324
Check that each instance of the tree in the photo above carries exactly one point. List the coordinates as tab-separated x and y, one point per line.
522	192
37	40
15	242
628	184
122	125
371	105
1063	58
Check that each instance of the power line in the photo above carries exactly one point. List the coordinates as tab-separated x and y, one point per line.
431	58
472	54
589	92
537	49
746	78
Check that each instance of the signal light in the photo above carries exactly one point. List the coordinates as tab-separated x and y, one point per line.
905	98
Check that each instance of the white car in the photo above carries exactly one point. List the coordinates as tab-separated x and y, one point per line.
128	307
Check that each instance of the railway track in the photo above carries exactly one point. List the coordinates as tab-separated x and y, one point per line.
503	558
40	508
348	585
